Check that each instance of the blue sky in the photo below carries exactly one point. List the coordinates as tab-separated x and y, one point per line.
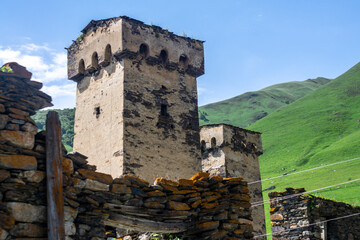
249	44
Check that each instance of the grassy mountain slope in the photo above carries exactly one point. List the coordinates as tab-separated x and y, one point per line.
318	129
67	124
249	107
321	127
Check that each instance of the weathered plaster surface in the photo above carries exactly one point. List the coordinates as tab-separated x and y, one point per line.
235	155
148	115
101	136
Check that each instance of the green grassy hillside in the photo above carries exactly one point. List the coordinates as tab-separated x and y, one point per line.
249	107
319	129
67	124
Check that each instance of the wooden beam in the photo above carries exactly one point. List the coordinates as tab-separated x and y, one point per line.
55	200
145	225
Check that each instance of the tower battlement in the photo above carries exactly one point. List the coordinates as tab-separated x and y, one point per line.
122	38
136	100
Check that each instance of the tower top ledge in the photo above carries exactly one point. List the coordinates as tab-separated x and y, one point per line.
113	39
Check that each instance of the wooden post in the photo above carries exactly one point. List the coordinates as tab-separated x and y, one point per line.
55	200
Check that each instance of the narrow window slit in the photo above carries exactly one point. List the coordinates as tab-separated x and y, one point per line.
164	110
97	111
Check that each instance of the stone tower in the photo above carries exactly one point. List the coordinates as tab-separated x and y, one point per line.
233	152
136	103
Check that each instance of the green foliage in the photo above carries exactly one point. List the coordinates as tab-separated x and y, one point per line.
6	69
80	38
245	109
166	236
67	124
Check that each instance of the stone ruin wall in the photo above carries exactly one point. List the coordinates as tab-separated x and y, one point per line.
235	153
295	215
22	156
130	88
202	207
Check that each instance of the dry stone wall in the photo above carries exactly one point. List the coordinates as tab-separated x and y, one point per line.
230	151
197	208
300	216
96	206
22	157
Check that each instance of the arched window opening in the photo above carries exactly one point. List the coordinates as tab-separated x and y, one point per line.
95	61
144	50
213	142
203	146
82	67
163	56
183	62
108	53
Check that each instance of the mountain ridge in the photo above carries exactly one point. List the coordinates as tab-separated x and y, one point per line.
249	107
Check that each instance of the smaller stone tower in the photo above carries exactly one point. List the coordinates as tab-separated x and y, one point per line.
136	101
233	152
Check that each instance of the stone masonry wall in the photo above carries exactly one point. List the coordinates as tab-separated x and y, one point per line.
22	157
235	153
210	208
105	92
170	142
137	99
299	216
95	204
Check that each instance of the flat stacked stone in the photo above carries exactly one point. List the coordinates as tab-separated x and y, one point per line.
22	157
295	215
95	204
213	208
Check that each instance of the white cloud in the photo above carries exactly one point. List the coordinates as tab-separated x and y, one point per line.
56	70
33	47
201	90
60	90
47	66
29	55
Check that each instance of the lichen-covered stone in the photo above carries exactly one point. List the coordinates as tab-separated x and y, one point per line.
100	177
23	212
28	230
179	206
68	166
4	174
29	127
199	175
120	188
95	185
33	176
6	221
18	138
276	217
22	162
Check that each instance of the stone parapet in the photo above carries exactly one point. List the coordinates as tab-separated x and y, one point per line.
121	37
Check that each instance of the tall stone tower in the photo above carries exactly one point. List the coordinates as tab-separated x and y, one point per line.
233	152
136	103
